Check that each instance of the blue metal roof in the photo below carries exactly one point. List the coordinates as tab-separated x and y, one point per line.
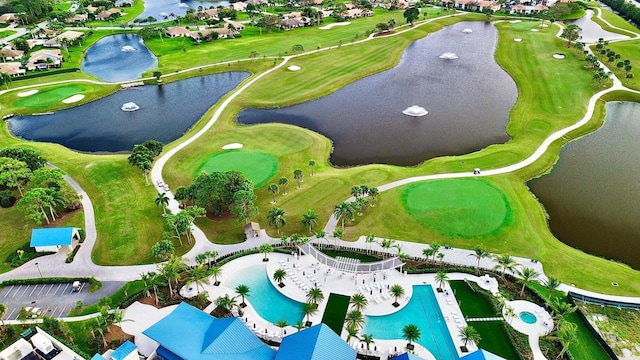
481	354
123	350
318	342
194	335
407	356
52	236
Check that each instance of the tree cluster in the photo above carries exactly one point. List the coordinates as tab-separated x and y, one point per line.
625	8
221	192
143	155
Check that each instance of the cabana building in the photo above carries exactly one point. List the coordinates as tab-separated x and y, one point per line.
53	239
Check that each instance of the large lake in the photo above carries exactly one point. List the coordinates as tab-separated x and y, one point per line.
468	100
166	112
117	58
161	9
593	193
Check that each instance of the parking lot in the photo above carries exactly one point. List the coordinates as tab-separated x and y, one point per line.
54	300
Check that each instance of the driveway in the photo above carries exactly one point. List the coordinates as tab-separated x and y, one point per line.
55	300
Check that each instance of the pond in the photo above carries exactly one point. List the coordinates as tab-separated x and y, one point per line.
166	112
117	58
162	10
468	99
593	193
591	31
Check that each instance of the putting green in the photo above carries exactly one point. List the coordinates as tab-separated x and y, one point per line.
457	208
46	98
256	166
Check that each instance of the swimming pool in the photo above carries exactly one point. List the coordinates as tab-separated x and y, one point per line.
528	317
423	311
268	302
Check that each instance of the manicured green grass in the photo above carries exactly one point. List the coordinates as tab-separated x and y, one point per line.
472	304
458	207
616	21
629	50
5	33
494	339
46	98
256	166
334	313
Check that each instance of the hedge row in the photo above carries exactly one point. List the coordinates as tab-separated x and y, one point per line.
44	73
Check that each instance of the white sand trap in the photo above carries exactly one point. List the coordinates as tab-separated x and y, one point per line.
558	56
327	27
233	146
544	25
535	30
27	93
294	68
517	40
515	21
74	98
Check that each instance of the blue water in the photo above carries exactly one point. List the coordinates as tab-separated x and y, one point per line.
106	60
422	311
162	9
528	317
268	302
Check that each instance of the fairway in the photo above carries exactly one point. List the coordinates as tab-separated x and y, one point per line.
458	207
46	98
256	166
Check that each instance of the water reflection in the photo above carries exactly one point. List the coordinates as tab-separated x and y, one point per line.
591	31
165	113
161	9
468	100
593	193
118	58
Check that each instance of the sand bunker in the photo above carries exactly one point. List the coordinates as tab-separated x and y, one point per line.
74	98
327	27
294	68
517	40
233	146
558	56
535	30
27	93
515	21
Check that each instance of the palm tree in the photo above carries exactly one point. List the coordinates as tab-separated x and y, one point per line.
279	275
215	271
354	318
310	219
163	200
356	192
358	302
560	310
505	263
397	291
527	275
552	284
312	165
225	302
566	334
5	79
410	333
468	333
171	270
243	290
211	254
373	192
342	210
276	218
282	324
283	182
509	312
361	205
352	332
367	339
315	296
265	249
427	253
273	188
199	275
387	244
297	174
337	234
479	254
370	239
308	310
435	247
441	279
201	259
321	235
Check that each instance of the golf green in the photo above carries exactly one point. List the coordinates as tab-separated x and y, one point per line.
256	166
458	208
46	98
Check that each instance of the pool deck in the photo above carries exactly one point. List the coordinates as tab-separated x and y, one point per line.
346	284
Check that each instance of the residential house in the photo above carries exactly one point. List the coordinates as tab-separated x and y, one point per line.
465	4
53	239
485	4
257	2
92	9
177	31
8	18
239	6
12	68
527	9
72	37
291	23
225	32
208	14
106	14
356	13
43	33
8	52
236	24
77	18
